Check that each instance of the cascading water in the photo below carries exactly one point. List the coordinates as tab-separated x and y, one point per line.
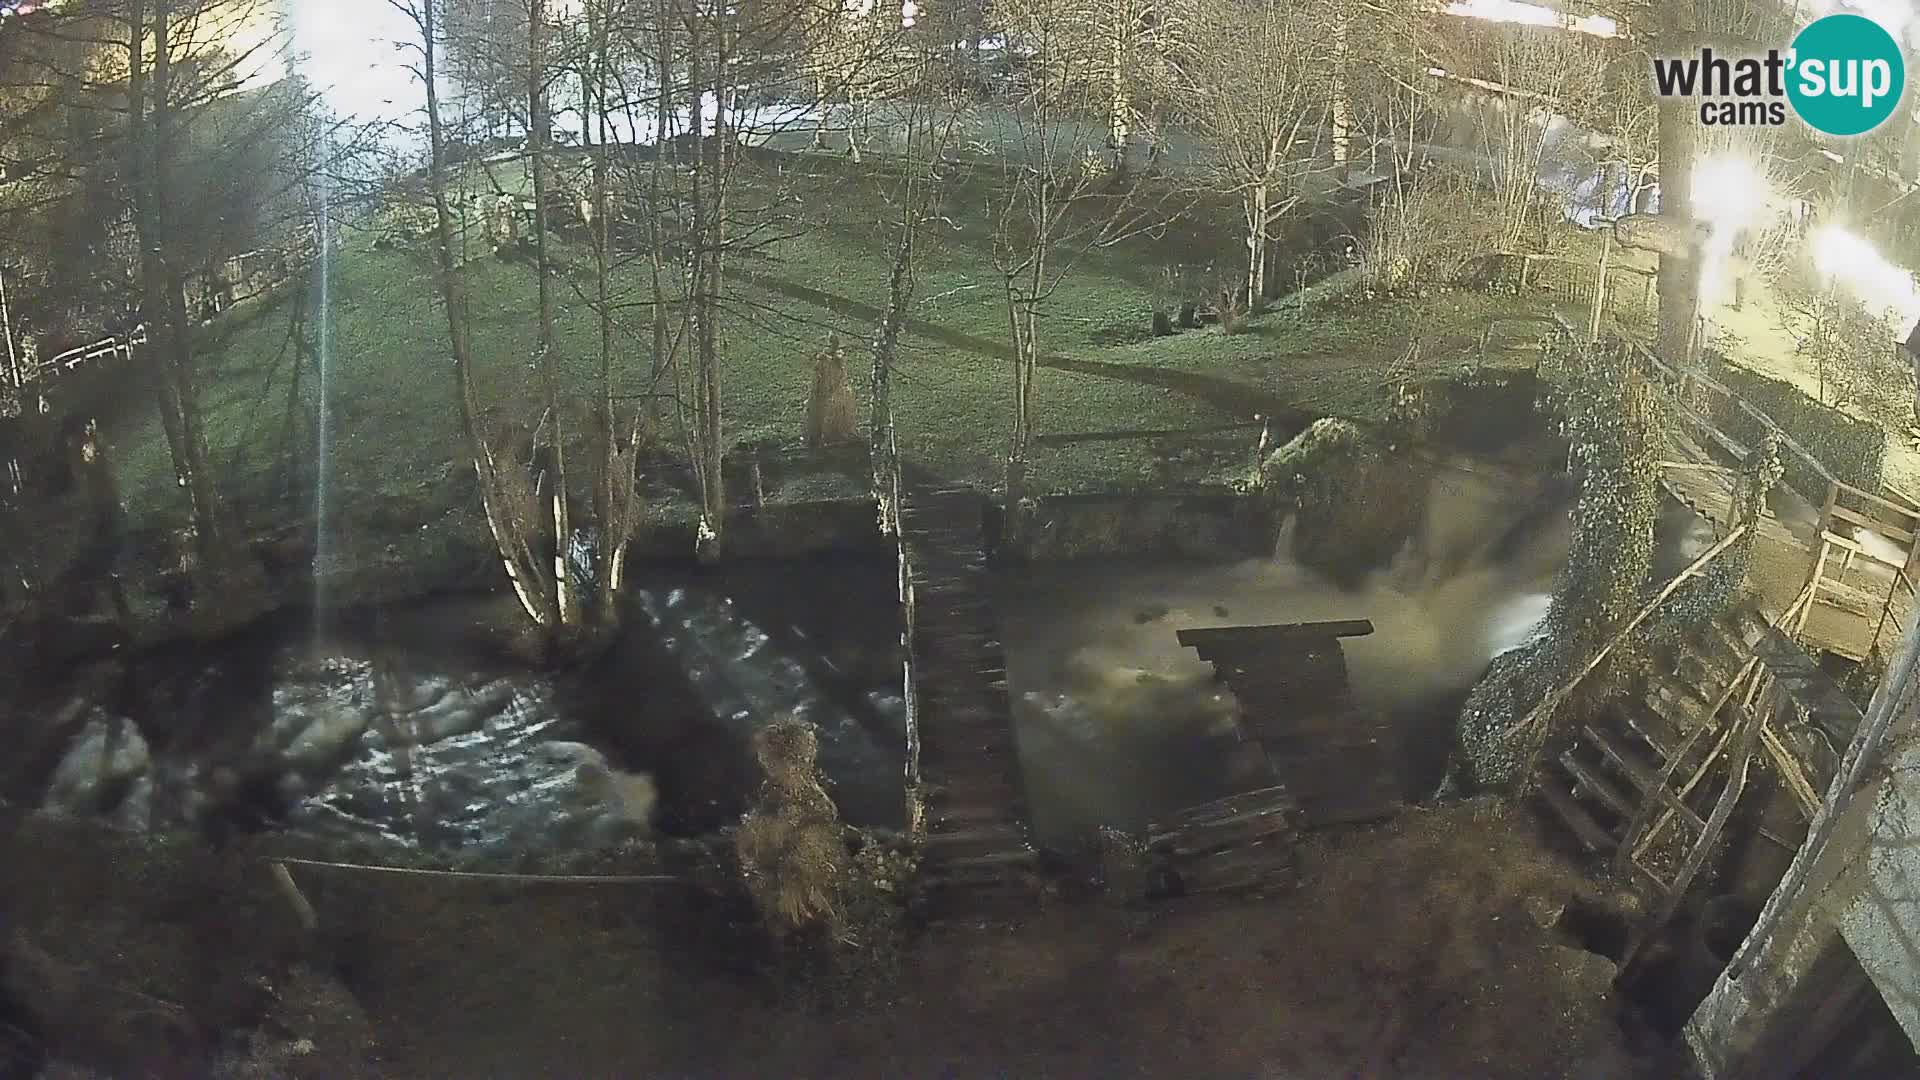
1119	724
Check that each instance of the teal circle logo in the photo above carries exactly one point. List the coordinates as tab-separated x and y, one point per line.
1846	75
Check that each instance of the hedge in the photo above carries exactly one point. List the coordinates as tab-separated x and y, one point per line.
1853	449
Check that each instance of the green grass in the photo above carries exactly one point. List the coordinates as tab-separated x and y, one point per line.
397	454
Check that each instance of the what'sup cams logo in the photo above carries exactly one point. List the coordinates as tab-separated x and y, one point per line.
1843	75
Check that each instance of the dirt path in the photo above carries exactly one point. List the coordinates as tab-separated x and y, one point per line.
1410	950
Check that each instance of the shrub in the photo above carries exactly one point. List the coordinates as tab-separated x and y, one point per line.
1852	448
1426	235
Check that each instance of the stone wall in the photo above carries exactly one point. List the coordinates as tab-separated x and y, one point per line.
1213	526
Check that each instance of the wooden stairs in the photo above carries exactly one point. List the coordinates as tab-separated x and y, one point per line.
976	855
1638	775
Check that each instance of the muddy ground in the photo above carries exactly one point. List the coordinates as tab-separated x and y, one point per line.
1410	949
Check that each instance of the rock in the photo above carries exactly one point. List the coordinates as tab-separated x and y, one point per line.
1544	910
1591	973
314	1028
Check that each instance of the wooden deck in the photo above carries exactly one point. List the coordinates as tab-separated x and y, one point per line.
1862	602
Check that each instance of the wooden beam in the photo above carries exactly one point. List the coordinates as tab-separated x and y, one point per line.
1899	535
1553	699
1631	842
1884	503
1750	723
1199	636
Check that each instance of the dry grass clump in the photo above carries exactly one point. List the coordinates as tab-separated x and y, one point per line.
833	417
790	845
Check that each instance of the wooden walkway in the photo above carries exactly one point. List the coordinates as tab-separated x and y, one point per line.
1860	551
976	848
1336	760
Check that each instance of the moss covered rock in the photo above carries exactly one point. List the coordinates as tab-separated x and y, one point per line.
1352	499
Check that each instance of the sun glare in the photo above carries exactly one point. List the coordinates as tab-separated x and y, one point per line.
1845	257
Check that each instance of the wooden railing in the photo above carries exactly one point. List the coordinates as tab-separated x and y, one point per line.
21	374
1847	511
1540	712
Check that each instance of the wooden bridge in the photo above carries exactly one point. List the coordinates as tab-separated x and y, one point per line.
1651	784
966	790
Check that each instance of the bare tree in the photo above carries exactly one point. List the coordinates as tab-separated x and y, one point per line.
850	48
507	494
1112	56
930	127
178	59
1538	77
1052	202
1257	91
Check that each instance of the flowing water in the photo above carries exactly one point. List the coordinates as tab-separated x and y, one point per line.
1120	725
410	728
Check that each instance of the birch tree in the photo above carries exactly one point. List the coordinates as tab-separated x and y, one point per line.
507	493
931	124
1116	57
1257	91
1052	201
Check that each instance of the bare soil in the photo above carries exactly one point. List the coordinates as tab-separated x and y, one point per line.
1412	949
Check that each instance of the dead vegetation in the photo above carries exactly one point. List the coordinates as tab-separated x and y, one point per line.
792	851
833	417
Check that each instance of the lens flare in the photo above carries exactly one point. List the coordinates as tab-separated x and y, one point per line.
1844	257
1731	195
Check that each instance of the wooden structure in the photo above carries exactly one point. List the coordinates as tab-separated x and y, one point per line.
23	374
1861	597
967	803
1242	843
1337	761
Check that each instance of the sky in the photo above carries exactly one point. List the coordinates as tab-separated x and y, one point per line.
348	52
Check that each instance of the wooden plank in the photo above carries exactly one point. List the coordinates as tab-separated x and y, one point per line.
1587	778
1587	830
1233	804
1877	500
1229	636
1848	598
1892	532
1702	846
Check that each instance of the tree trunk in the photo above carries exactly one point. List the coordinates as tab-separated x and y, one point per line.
705	200
656	238
1119	104
540	133
169	329
1678	279
521	570
826	112
885	345
1342	110
1257	197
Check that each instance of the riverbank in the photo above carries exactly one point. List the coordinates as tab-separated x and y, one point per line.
1416	947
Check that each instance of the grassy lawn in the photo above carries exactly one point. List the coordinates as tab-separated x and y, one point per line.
396	452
